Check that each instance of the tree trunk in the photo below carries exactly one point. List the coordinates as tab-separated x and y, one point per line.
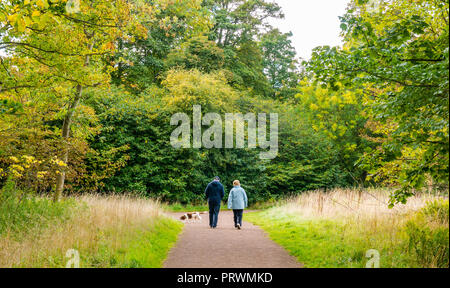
61	177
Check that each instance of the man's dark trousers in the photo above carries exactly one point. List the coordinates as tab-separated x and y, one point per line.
214	193
214	209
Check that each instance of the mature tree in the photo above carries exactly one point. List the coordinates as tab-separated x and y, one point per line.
143	61
399	53
339	116
279	60
246	65
238	21
198	53
238	24
62	51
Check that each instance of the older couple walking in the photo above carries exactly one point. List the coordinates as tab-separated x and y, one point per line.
237	201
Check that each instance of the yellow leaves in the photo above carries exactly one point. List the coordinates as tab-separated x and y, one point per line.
325	104
58	162
349	98
43	4
314	107
193	87
334	99
61	90
21	25
16	170
12	19
41	174
351	147
14	159
109	46
27	166
334	127
22	165
16	174
342	131
29	159
23	18
17	21
17	167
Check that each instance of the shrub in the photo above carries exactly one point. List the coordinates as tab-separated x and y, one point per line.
428	234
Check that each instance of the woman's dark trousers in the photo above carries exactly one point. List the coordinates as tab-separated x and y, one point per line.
238	217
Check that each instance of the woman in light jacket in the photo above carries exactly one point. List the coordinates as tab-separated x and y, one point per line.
237	200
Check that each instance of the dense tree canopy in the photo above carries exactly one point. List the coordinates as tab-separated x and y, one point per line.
399	56
87	95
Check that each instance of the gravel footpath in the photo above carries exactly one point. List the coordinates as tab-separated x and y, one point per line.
226	247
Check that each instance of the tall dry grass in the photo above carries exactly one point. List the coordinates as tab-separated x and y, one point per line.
363	218
362	212
352	204
98	221
337	228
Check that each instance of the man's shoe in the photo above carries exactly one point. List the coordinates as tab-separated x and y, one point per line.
238	226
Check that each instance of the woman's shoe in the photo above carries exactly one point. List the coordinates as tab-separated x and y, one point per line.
238	226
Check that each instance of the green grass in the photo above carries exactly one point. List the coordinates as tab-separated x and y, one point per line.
21	212
137	249
140	249
330	244
177	207
149	249
430	243
414	240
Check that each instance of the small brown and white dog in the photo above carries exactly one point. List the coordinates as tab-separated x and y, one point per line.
192	217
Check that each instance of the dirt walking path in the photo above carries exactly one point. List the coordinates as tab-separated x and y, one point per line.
226	247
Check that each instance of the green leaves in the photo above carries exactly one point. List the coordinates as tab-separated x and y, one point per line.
10	107
400	59
279	61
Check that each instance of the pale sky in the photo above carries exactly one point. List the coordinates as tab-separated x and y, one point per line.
313	23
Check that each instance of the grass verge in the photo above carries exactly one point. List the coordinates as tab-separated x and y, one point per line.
105	232
21	212
178	207
337	230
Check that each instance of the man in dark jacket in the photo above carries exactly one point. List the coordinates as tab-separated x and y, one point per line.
214	193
